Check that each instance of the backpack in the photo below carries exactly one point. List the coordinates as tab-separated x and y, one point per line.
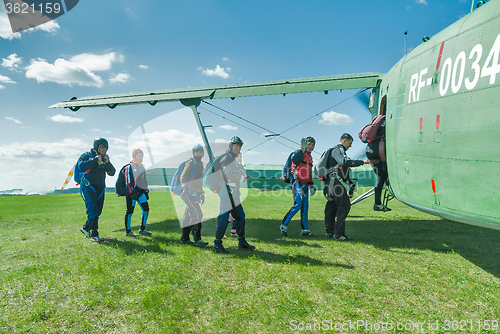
369	132
176	185
121	187
213	179
79	176
322	166
286	173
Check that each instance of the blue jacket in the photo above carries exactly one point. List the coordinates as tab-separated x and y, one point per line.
97	173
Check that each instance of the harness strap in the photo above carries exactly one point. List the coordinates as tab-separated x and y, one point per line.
86	183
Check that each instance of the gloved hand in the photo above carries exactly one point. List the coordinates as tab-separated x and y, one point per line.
352	189
303	143
202	199
312	190
133	196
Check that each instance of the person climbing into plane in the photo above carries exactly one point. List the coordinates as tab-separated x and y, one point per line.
233	174
93	167
193	195
339	189
137	192
375	152
301	184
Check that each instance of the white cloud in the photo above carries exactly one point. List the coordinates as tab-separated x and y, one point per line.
2	87
50	26
218	72
14	120
334	118
65	119
62	72
228	127
143	67
97	62
64	148
12	62
209	131
221	141
23	163
6	30
163	144
5	79
225	59
120	78
421	2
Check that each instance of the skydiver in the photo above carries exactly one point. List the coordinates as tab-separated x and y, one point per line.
136	187
193	195
339	189
301	184
375	151
230	202
94	165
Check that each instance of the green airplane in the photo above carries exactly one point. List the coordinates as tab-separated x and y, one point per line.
441	103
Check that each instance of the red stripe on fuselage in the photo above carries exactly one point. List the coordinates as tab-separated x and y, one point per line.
439	57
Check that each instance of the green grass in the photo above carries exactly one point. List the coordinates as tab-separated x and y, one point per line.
404	267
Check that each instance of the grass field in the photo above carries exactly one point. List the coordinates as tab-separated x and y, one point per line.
406	272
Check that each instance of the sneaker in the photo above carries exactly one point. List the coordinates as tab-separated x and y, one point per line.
144	232
284	230
200	243
233	231
96	238
380	207
245	245
220	249
130	234
342	237
330	235
85	232
307	233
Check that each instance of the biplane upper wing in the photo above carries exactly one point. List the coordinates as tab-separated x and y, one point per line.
326	83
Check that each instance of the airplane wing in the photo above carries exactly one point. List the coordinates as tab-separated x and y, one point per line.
315	84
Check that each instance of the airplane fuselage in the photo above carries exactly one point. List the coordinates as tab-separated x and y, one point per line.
443	121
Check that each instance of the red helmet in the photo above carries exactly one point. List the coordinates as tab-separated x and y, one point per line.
136	151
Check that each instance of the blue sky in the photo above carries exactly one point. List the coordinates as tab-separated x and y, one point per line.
107	47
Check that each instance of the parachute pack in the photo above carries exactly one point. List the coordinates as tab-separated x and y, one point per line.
79	176
286	173
213	177
369	132
321	169
121	187
176	185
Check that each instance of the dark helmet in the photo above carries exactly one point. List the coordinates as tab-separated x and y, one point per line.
198	147
310	140
235	140
98	142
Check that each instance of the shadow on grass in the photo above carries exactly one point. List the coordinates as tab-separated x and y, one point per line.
132	246
168	226
476	244
287	259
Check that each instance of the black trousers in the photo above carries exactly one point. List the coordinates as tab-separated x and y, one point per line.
380	170
336	210
192	218
230	204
